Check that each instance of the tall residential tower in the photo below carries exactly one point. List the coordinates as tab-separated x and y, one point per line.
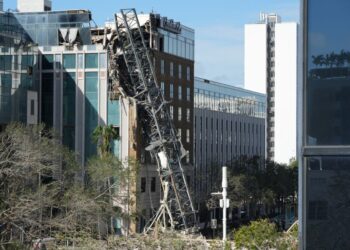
270	68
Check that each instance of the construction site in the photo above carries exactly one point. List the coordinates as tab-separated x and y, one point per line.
134	75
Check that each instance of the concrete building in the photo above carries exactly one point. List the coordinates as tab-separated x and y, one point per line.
34	5
229	123
271	67
323	125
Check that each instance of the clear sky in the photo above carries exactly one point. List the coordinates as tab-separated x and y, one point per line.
219	26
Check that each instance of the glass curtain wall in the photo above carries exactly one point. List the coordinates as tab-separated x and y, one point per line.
69	109
326	133
91	111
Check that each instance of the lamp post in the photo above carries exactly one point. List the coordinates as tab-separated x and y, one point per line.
224	202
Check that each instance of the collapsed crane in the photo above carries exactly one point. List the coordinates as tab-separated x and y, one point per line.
176	210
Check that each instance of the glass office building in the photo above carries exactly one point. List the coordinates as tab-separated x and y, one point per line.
216	96
324	126
50	72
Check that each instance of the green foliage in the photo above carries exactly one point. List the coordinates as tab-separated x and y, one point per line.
262	234
253	181
257	235
103	135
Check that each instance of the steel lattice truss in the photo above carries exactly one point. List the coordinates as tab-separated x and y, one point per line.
176	210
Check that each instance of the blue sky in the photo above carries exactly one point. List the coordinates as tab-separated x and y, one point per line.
219	26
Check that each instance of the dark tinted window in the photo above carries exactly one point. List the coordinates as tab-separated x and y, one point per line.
143	184
328	79
327	203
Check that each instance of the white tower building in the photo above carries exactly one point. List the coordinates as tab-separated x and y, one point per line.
270	67
34	5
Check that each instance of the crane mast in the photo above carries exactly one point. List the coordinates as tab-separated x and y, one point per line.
176	209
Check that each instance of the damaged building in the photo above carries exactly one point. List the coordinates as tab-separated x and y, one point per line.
57	68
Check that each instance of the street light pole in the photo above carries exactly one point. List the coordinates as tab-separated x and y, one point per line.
224	201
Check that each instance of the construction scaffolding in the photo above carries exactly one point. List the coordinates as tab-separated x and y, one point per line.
176	210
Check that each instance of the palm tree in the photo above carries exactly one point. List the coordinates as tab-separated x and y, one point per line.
318	60
103	135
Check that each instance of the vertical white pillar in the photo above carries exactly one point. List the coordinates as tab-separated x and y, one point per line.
224	201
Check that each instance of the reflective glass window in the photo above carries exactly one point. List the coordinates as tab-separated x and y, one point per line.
188	93
172	112
5	62
171	90
103	60
69	61
47	99
91	111
188	73
327	199
328	74
27	61
69	87
162	67
80	61
91	61
47	62
171	69
162	86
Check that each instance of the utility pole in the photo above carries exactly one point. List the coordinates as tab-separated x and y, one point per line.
224	202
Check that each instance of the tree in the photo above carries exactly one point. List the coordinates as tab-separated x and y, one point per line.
110	176
39	194
103	136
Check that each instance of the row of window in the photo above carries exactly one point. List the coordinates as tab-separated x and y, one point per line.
179	92
144	184
179	70
249	128
70	61
188	134
179	113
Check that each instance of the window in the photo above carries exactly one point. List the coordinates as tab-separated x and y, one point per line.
162	86
162	67
5	62
188	158
180	92
171	69
188	115
143	184
188	94
188	72
32	105
179	114
80	61
188	136
47	62
91	61
91	114
171	112
180	71
179	133
153	184
188	180
171	90
103	60
69	61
